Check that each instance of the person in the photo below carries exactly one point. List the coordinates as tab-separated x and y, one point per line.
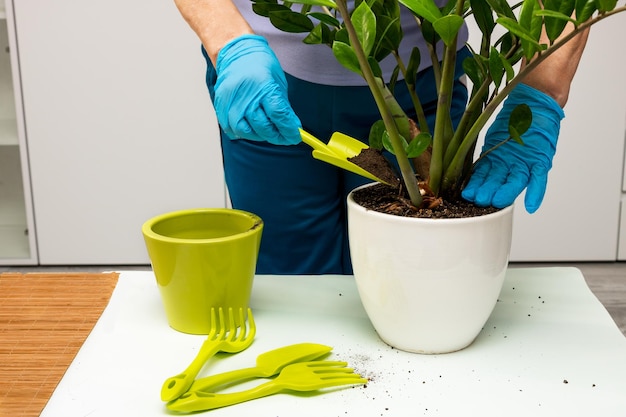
265	84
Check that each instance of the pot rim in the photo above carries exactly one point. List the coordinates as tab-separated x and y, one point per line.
148	226
500	213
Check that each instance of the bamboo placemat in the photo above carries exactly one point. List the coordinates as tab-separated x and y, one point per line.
44	320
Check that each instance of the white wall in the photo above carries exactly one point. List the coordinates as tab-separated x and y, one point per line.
119	124
578	220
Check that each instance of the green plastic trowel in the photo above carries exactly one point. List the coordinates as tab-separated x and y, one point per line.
340	147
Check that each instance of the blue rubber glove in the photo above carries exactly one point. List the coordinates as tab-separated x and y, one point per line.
501	175
251	93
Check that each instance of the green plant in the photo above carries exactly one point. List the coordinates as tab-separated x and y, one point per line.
360	38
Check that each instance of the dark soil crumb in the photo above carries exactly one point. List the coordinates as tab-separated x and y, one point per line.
386	199
374	162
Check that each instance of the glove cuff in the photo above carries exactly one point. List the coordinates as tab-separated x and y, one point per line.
525	94
241	45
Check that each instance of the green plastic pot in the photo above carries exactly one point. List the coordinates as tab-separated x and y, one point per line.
202	259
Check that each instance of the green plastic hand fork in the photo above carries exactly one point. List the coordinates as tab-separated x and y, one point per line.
221	338
267	364
302	376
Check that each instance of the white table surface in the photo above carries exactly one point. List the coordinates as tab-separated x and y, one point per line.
549	349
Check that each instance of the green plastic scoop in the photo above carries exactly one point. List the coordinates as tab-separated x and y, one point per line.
337	151
267	364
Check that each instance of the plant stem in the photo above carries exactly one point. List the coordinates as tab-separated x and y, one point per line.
471	110
455	168
419	110
403	161
443	123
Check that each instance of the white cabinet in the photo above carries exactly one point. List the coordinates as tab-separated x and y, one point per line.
17	232
621	253
119	122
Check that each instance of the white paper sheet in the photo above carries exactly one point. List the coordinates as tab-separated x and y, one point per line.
549	349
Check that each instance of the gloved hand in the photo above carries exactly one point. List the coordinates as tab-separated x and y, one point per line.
502	174
251	93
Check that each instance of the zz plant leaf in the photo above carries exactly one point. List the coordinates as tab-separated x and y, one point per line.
389	147
418	145
264	8
555	23
290	21
345	56
447	28
514	27
483	15
584	10
388	36
606	5
325	18
321	3
424	8
413	149
321	34
364	23
496	68
502	8
375	139
519	122
533	24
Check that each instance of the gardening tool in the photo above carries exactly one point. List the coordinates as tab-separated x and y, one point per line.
302	376
340	147
221	338
267	364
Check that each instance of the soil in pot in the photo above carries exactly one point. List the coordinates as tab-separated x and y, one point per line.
386	199
390	199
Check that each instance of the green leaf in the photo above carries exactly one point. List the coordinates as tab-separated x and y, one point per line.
325	3
412	66
447	28
345	56
483	15
375	139
559	13
449	7
429	33
423	8
606	5
325	18
388	35
508	68
473	70
502	8
512	26
342	36
264	9
533	24
519	122
418	145
364	23
387	142
555	15
584	10
321	34
393	79
496	69
290	21
375	67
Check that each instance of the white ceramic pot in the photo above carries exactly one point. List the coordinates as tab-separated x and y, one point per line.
428	285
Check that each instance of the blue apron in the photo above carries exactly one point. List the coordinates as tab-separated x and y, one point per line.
301	200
